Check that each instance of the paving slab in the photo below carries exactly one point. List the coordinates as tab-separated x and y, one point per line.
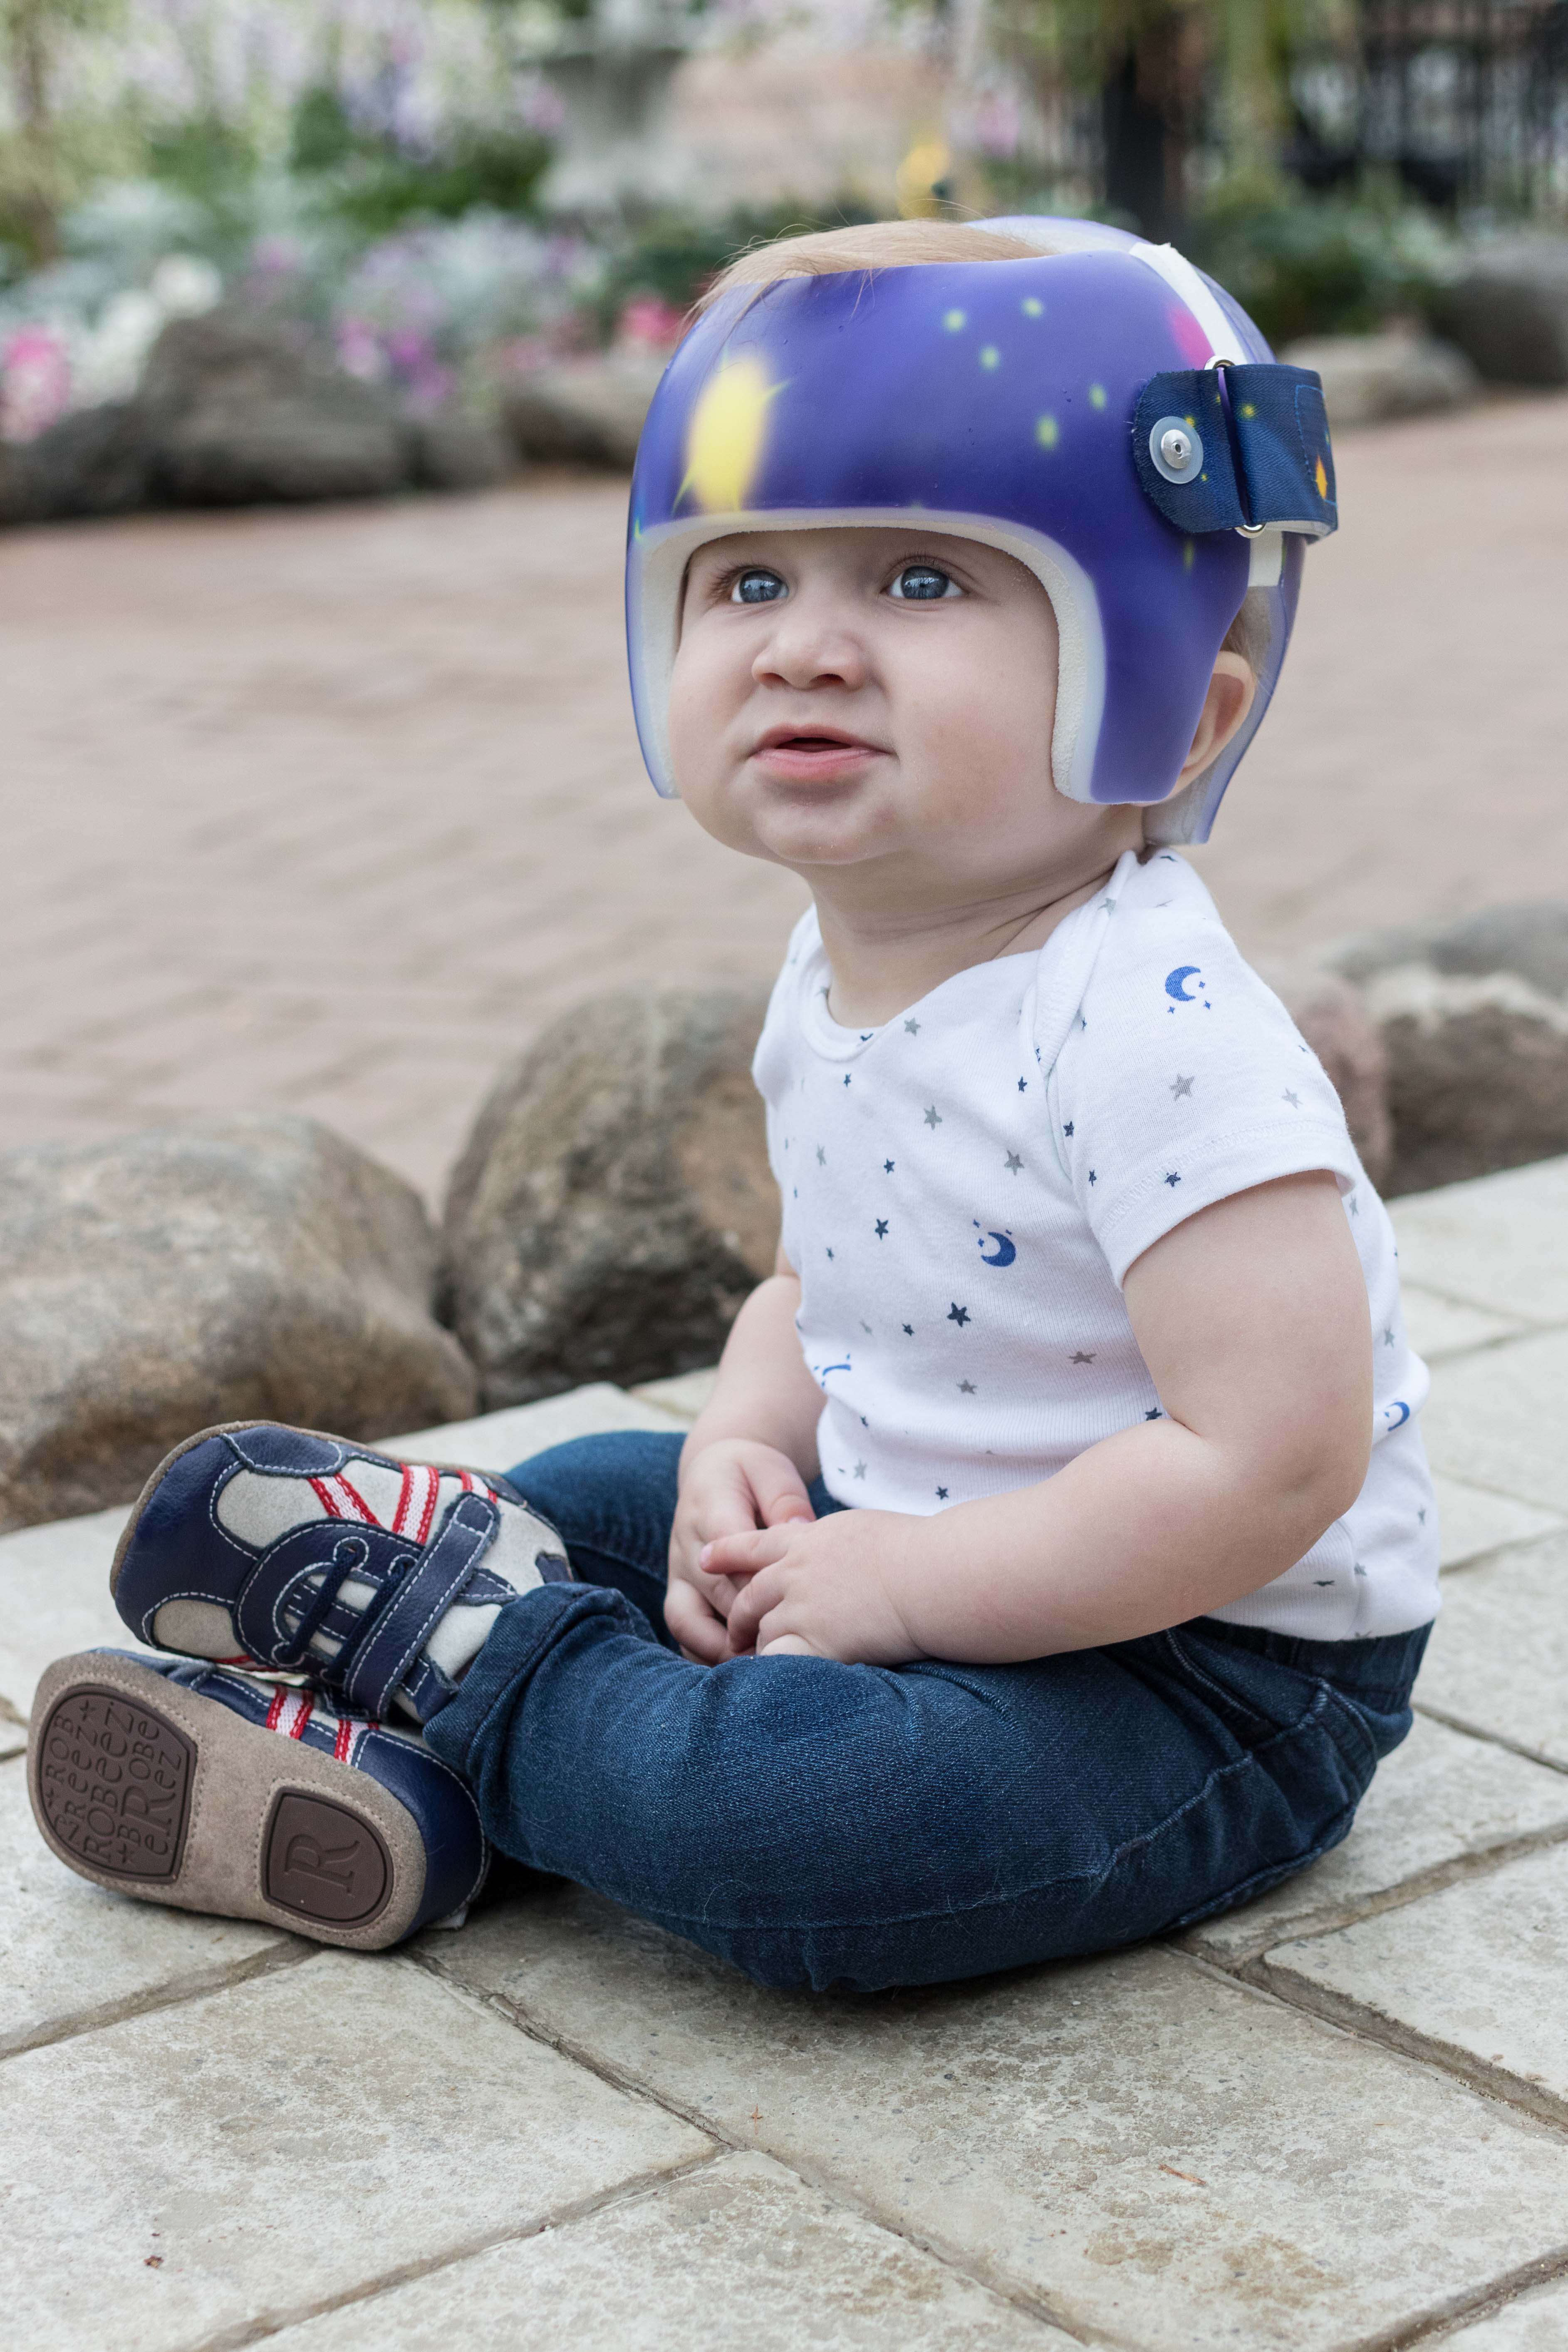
1497	1659
1475	1976
1495	1243
73	1956
1436	1804
1161	2154
1442	1327
234	2163
499	1441
685	1396
1534	2322
54	1597
739	2256
1475	1521
1495	1419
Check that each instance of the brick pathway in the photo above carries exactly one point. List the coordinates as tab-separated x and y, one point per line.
331	810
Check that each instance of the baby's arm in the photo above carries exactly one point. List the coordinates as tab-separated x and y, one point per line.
746	1461
1252	1318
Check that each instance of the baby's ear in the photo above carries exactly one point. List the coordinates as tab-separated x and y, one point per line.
1231	691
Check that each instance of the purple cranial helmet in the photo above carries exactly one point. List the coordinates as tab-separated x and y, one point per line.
1103	412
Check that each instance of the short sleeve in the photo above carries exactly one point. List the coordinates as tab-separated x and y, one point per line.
1183	1079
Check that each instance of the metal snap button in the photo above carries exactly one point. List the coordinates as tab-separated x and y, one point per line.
1176	448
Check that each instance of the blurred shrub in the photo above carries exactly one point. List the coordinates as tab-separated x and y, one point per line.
1320	265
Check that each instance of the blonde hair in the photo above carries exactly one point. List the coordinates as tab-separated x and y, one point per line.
907	244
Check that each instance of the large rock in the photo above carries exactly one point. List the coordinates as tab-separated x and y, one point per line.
1369	378
231	1269
585	413
454	451
1509	310
94	461
239	410
1475	1023
1335	1020
614	1204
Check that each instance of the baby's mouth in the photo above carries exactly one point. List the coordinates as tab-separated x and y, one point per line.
805	754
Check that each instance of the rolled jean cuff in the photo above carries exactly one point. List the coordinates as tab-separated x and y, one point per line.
496	1683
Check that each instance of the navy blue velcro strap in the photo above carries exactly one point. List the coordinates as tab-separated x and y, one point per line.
1238	447
400	1630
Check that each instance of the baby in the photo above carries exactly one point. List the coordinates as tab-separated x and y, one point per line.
1053	1561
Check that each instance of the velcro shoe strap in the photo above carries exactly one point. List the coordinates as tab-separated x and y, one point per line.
401	1630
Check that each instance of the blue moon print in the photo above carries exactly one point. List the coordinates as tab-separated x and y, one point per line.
1174	982
1399	1407
1006	1251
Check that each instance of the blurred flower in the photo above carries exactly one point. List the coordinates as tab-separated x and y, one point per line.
650	322
110	356
184	286
35	381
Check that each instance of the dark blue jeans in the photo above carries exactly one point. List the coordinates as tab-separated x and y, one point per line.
822	1824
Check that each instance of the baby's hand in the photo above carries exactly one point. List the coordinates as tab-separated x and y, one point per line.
819	1591
734	1487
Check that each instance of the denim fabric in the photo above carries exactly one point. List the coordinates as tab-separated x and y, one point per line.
820	1824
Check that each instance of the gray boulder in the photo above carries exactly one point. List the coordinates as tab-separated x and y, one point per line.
1369	378
239	410
586	412
614	1204
1474	1021
1335	1019
453	451
237	1268
1509	310
95	461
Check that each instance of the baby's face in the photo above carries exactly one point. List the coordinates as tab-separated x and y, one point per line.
849	695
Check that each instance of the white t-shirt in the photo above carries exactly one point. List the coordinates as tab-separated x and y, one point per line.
966	1187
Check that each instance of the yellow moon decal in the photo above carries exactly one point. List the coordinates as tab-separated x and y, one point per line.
725	439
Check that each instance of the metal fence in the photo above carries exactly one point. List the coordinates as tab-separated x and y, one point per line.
1466	100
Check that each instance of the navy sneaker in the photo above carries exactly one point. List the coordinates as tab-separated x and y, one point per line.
190	1785
263	1547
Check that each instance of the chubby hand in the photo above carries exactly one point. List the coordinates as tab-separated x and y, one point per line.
732	1488
821	1590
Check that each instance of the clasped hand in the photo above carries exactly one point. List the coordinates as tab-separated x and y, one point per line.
752	1568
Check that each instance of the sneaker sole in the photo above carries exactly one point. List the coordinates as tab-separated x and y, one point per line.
162	1795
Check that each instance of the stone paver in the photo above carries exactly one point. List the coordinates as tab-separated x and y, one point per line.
1475	1972
1498	1660
242	2159
72	1956
1163	2156
738	2257
1534	2322
1443	1326
1495	1243
1475	1521
258	763
1494	1418
1439	1800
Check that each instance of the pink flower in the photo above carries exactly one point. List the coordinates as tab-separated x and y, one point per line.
650	321
35	381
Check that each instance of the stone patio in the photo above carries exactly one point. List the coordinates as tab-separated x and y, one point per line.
1337	2118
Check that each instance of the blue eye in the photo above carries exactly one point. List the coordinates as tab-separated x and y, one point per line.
757	588
922	584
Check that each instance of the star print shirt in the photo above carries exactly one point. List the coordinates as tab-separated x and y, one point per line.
966	1187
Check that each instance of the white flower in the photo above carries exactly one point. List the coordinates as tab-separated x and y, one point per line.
184	286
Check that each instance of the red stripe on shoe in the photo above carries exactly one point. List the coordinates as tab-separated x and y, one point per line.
322	1488
305	1707
355	1500
402	1515
280	1700
431	1486
344	1741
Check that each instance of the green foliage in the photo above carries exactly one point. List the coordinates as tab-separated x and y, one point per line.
1320	265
